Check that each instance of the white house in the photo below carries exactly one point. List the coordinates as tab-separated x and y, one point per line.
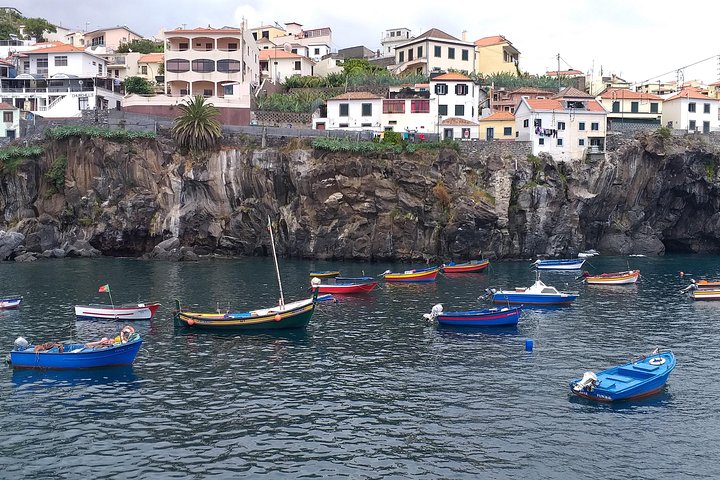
564	126
277	64
434	51
65	59
352	111
10	126
392	38
691	110
410	108
457	105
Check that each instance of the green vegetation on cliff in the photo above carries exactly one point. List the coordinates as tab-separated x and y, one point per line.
12	157
116	135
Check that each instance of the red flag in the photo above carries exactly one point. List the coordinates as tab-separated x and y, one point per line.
104	289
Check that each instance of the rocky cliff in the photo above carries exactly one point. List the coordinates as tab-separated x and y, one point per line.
649	195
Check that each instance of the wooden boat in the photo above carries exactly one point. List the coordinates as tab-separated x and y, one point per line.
283	316
347	288
569	264
706	294
469	267
491	317
415	275
616	278
637	379
13	301
537	294
54	355
136	311
354	279
707	284
325	274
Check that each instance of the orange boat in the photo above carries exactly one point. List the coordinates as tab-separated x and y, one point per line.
415	275
469	267
615	278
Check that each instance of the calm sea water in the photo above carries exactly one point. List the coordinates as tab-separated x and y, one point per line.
369	390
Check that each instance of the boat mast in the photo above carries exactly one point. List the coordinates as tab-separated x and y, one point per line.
277	267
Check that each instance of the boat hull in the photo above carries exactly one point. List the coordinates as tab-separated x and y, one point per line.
470	267
347	288
325	274
630	381
559	264
418	276
76	356
625	278
514	298
295	315
705	295
491	317
9	303
140	311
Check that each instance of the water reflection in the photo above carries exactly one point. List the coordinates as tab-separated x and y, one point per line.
72	378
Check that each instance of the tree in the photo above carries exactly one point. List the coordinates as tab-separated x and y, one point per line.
7	29
360	66
140	46
138	85
36	27
197	128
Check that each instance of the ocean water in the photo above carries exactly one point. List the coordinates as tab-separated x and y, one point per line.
369	389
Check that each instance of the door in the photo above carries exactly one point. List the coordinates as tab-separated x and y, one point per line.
320	126
706	127
489	133
448	134
10	133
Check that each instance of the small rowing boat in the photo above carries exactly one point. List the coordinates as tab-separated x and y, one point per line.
347	288
325	274
617	278
588	253
489	317
412	276
468	267
10	302
568	264
133	311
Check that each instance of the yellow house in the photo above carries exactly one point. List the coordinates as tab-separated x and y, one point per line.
498	126
496	55
267	32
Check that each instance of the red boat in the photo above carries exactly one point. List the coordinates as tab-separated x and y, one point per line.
344	288
469	267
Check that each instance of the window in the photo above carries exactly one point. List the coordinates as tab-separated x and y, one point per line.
229	66
366	109
692	125
227	89
691	107
616	107
420	52
402	57
507	131
208	47
183	92
26	66
207	92
8	117
437	52
441	89
177	65
451	53
465	55
459	110
442	110
559	142
61	61
561	126
42	66
297	65
538	122
410	54
344	109
255	35
117	73
654	107
706	108
184	46
100	70
83	103
143	69
317	51
203	65
419	106
581	126
634	107
581	142
595	126
541	141
394	106
98	41
232	47
366	124
461	89
344	125
526	123
266	34
706	127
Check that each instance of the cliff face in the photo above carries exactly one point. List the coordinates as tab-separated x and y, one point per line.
648	196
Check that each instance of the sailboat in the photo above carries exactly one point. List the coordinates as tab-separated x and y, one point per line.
282	316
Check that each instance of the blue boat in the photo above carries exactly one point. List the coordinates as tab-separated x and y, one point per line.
354	279
537	294
489	317
13	301
641	378
571	264
64	356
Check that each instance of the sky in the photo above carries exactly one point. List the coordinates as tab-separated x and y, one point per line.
636	40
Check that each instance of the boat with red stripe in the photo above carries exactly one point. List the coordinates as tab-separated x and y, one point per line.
136	311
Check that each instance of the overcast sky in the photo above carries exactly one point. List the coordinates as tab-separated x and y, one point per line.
636	40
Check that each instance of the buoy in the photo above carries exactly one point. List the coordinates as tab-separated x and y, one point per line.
528	345
682	274
191	322
277	317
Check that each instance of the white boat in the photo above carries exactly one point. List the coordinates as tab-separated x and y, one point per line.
137	311
615	278
537	294
588	254
565	264
7	303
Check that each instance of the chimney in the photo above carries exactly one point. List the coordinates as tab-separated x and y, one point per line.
464	36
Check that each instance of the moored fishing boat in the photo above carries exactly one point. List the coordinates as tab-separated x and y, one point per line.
490	317
537	294
106	352
354	279
637	379
346	288
325	274
416	275
10	302
468	267
135	311
588	253
567	264
615	278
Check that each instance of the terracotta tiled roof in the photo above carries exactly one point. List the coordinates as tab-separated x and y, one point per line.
564	73
357	96
595	106
572	92
556	104
152	58
6	106
532	90
627	94
488	41
452	76
205	30
456	121
436	33
689	92
277	53
61	48
499	116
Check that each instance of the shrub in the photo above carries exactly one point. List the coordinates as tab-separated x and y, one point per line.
441	193
664	132
56	175
116	135
12	157
138	85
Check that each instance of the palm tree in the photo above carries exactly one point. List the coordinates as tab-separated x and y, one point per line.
197	128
